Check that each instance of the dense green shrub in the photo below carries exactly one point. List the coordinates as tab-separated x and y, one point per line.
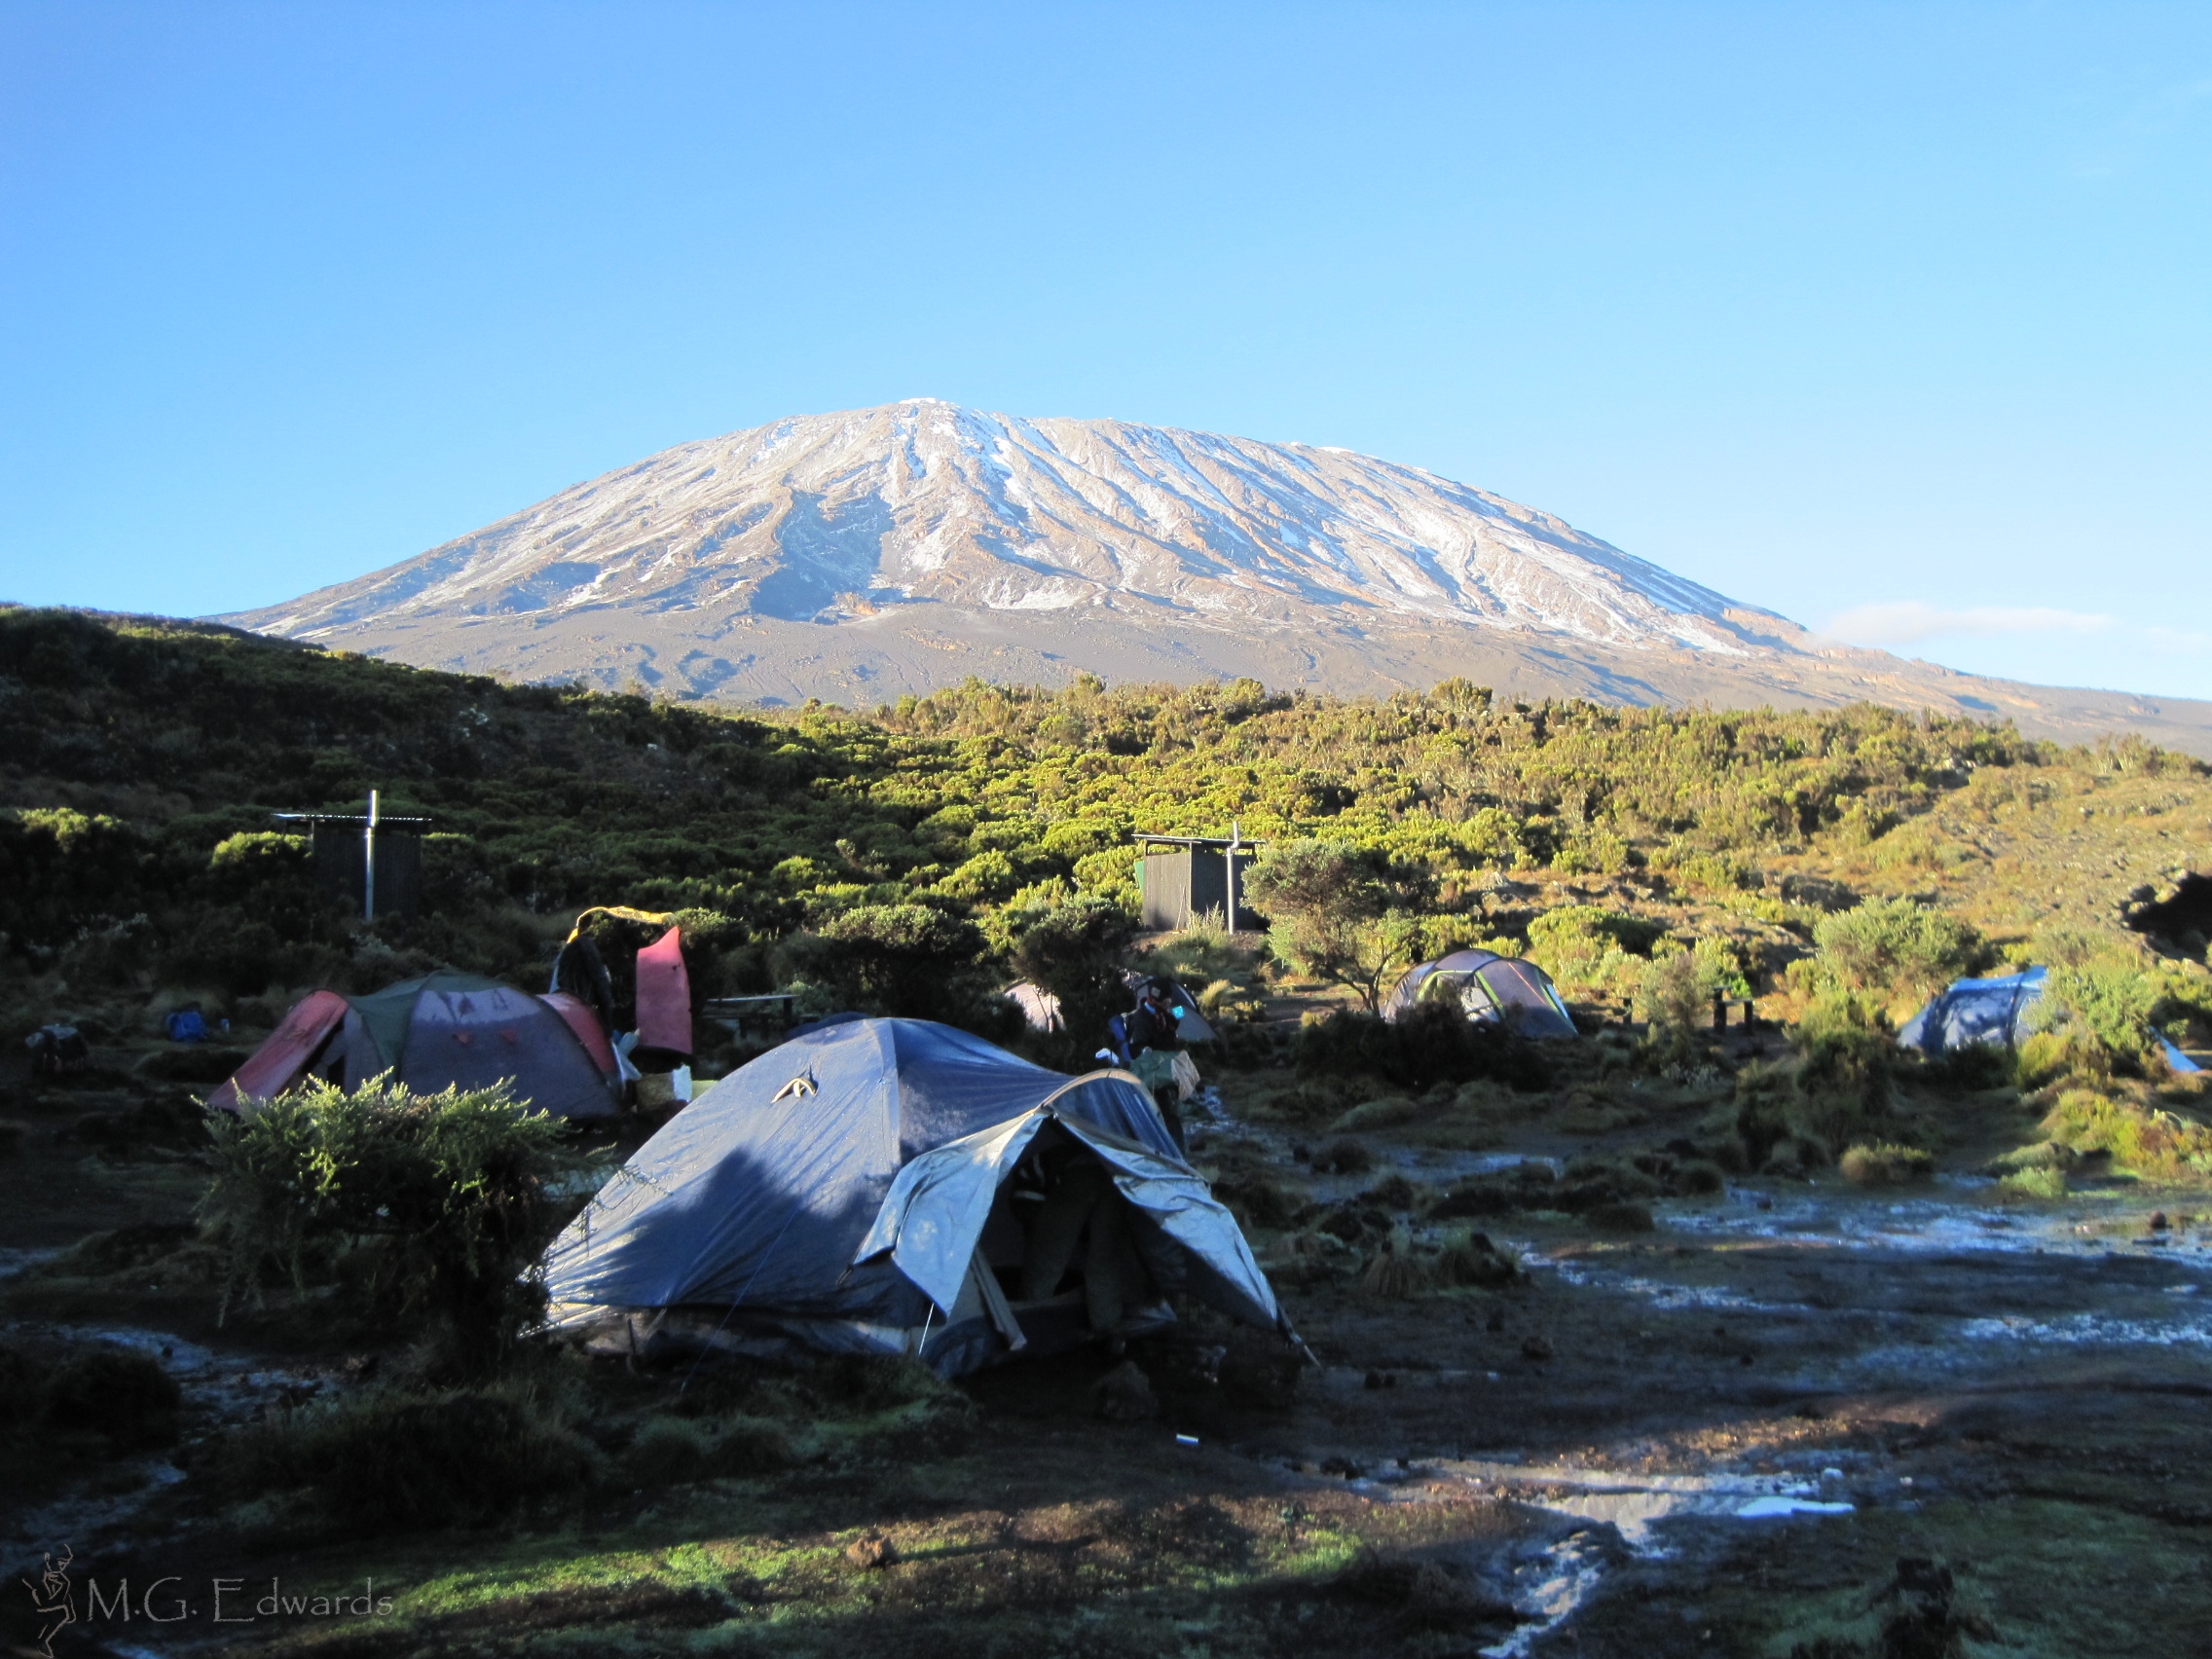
1897	949
1076	950
438	1202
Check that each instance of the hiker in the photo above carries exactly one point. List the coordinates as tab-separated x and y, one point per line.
1149	1030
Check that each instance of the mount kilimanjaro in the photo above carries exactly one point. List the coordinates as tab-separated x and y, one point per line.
859	556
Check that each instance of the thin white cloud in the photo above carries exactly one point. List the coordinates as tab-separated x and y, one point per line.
1905	622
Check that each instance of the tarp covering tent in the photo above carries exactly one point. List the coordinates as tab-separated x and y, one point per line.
899	1187
1484	985
441	1031
1975	1011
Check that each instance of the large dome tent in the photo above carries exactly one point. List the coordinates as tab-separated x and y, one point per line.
899	1187
1505	990
444	1030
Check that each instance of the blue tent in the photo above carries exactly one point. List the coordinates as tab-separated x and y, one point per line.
882	1185
1975	1011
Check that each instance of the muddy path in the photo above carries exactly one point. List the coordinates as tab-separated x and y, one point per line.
1791	1417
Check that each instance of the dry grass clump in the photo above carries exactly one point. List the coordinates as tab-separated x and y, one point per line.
1886	1164
1392	1111
1470	1258
1395	1274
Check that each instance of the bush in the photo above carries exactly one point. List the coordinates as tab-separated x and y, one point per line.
1585	949
2043	1181
1675	992
1846	1055
440	1198
2105	1003
1885	1163
2136	1135
1896	949
669	1451
404	1462
1971	1067
1431	1043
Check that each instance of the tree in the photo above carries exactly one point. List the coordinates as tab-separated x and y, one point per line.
1075	951
1339	914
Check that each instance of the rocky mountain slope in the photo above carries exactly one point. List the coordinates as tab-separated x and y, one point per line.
857	556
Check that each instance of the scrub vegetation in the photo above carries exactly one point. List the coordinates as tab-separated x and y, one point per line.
1488	1243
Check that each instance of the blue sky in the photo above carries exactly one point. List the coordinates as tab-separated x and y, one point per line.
1896	320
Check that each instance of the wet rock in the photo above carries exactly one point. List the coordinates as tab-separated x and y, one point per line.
872	1552
1125	1395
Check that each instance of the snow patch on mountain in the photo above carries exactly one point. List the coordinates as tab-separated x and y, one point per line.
822	518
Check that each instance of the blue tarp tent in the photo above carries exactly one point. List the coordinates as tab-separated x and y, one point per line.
883	1186
1975	1011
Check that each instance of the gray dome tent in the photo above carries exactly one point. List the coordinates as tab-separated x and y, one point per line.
1484	985
898	1186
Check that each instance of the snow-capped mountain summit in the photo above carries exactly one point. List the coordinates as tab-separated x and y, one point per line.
860	555
823	517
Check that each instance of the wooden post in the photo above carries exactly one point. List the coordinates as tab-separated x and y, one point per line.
369	863
1235	835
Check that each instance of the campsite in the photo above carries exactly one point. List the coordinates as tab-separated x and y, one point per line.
1750	1200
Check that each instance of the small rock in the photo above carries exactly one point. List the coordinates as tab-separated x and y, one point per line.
1538	1346
872	1552
1125	1395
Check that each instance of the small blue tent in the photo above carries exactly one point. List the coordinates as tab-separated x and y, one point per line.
893	1186
1975	1011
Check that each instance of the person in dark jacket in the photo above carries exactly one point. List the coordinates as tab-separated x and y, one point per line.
1154	1022
1150	1027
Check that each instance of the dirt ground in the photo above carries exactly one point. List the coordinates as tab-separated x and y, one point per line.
1790	1417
